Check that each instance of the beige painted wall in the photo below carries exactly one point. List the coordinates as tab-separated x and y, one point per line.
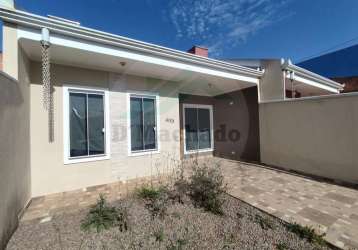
122	166
316	136
51	175
10	50
15	187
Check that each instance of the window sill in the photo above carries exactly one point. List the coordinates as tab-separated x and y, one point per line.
86	159
141	153
198	151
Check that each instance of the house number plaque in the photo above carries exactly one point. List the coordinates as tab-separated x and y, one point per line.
170	120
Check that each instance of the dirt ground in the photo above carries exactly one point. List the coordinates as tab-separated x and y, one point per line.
183	227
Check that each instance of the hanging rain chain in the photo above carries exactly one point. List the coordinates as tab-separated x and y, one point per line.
46	78
47	95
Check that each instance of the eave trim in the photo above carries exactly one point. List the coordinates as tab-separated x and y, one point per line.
30	20
312	76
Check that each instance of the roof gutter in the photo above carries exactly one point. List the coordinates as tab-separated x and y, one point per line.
74	30
289	66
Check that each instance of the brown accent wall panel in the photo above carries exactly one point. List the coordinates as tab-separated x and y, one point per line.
236	124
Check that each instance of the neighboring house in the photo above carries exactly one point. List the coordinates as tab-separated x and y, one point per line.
294	79
341	66
121	106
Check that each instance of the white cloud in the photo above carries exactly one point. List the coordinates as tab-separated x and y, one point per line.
222	23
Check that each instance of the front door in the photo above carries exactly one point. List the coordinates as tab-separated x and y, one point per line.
198	128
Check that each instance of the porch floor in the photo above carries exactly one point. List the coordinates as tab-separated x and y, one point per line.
329	208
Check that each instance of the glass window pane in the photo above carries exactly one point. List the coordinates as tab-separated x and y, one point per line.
96	124
204	128
136	124
78	124
149	123
191	129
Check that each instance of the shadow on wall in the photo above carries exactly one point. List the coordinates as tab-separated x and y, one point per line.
14	170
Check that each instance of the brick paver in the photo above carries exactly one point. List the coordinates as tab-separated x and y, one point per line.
45	207
329	208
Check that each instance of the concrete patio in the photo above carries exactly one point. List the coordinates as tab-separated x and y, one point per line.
329	208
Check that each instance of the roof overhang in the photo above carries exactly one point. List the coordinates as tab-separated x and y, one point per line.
314	82
72	43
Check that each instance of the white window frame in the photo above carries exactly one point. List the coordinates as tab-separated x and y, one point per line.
144	94
67	89
201	106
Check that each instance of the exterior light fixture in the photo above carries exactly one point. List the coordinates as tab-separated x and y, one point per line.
292	75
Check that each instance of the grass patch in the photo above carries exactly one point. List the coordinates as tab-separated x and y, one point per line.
159	235
282	246
156	199
229	240
177	245
150	192
102	216
308	233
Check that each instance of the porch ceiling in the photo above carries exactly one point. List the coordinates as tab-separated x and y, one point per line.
191	79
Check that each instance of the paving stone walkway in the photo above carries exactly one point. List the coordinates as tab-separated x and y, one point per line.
328	208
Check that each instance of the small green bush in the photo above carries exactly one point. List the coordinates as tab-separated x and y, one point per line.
158	207
180	191
156	199
282	246
149	192
306	232
159	235
229	240
177	245
102	216
206	187
264	222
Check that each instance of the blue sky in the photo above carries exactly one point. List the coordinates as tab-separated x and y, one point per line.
230	28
